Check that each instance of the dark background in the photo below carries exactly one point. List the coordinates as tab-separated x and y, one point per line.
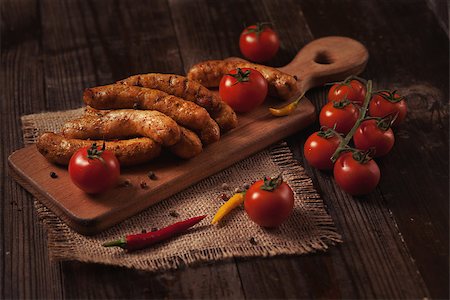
396	240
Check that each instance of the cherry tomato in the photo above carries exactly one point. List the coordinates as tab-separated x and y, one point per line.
356	174
341	114
269	202
374	134
385	104
319	147
353	90
259	43
93	169
243	89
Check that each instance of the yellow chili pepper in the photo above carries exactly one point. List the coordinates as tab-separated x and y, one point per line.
232	203
287	109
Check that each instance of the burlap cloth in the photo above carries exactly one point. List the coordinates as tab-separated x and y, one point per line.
308	229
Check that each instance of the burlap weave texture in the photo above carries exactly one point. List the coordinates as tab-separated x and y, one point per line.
308	229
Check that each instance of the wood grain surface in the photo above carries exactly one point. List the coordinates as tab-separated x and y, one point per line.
395	239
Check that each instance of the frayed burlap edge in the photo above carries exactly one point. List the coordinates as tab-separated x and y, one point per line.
29	129
325	236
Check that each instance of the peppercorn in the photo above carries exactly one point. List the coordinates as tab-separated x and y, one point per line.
125	183
253	241
143	185
53	175
152	175
223	197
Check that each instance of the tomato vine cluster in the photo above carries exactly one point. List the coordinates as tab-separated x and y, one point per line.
355	114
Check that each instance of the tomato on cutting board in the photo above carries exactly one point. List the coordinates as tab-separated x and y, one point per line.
356	173
340	115
320	147
259	43
243	89
269	202
94	169
385	103
352	89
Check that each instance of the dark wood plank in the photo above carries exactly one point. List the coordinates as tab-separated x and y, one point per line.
395	240
24	265
414	184
440	9
205	282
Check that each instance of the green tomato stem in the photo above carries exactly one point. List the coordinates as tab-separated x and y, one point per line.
344	142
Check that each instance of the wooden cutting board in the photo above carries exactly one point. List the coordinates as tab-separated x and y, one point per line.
323	60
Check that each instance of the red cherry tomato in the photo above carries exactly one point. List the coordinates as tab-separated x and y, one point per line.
269	202
374	134
356	176
259	43
353	90
341	114
243	89
94	170
385	104
319	147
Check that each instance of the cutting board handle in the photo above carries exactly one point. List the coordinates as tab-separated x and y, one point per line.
327	59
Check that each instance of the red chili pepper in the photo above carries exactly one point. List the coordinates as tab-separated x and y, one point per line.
143	240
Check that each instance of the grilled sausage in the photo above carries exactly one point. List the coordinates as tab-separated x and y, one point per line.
209	73
188	146
123	123
186	113
59	149
190	90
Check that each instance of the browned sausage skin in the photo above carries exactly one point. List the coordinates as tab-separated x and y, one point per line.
182	87
59	149
209	74
188	146
123	123
186	113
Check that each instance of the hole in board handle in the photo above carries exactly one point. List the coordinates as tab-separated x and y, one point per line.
322	58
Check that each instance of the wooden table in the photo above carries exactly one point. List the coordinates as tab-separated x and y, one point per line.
395	239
